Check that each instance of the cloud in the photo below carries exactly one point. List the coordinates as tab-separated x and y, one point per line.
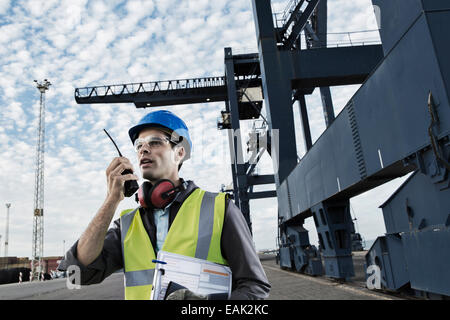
4	6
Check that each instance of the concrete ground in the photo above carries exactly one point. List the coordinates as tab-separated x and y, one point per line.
110	289
286	285
289	285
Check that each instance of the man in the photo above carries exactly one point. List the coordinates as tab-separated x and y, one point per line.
193	222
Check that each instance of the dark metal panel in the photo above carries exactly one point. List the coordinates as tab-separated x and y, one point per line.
438	23
339	267
334	227
286	258
321	67
435	4
312	174
387	254
297	185
344	147
391	107
427	254
328	166
292	197
416	204
388	113
318	177
284	209
395	19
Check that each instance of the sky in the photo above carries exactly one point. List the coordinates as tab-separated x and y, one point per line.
78	43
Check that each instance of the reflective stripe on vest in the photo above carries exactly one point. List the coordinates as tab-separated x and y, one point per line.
139	278
195	232
205	226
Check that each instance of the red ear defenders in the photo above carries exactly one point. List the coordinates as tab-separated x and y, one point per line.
158	195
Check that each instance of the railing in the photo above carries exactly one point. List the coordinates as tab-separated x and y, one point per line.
149	87
280	18
346	39
245	50
334	39
286	25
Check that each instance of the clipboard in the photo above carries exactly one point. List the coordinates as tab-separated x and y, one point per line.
197	275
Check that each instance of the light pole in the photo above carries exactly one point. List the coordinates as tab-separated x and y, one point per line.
8	205
38	212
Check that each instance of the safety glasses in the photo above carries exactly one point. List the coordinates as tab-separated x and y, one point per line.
151	141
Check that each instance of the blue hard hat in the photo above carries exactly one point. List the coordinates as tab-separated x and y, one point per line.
165	119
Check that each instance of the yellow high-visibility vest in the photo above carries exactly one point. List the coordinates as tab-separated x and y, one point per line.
195	232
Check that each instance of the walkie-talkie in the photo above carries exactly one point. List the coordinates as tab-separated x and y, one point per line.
130	186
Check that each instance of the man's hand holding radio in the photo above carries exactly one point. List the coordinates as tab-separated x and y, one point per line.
116	178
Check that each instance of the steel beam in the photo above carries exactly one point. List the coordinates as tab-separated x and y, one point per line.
305	121
235	140
260	179
324	67
311	68
321	28
165	93
300	24
277	92
262	194
292	17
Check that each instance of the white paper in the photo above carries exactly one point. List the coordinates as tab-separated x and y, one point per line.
199	276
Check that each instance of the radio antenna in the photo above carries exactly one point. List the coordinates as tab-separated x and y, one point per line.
113	142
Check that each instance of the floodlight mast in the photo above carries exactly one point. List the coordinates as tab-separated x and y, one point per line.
38	212
8	205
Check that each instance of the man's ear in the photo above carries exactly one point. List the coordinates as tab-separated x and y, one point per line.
180	153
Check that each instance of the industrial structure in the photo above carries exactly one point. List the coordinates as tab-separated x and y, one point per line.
38	212
11	267
398	122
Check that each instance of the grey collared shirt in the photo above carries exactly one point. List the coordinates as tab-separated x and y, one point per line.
249	278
